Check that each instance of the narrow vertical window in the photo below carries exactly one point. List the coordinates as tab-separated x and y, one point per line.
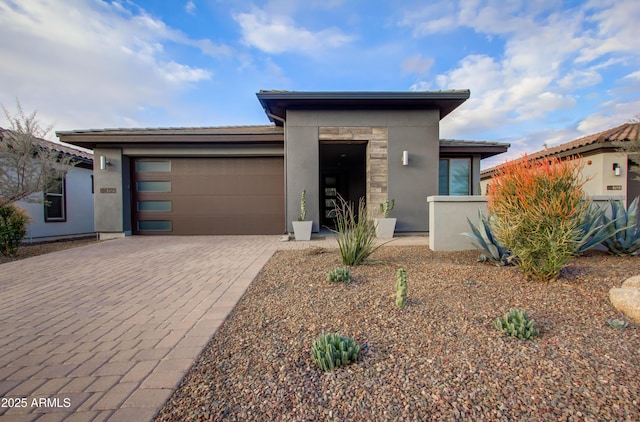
55	202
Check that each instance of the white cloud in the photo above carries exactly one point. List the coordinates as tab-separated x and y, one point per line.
417	64
549	53
98	68
190	7
275	34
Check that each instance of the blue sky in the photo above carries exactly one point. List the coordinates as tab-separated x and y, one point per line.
545	71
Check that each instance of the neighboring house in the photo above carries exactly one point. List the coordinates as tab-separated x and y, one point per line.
70	210
248	179
605	168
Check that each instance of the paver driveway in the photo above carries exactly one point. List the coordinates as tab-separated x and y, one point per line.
108	331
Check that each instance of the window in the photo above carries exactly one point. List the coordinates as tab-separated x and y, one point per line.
454	176
55	206
151	166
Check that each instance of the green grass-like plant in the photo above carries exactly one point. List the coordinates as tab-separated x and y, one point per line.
401	288
516	323
355	232
339	274
13	228
332	350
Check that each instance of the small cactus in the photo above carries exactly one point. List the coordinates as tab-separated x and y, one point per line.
401	288
387	206
332	350
516	323
341	274
617	323
303	206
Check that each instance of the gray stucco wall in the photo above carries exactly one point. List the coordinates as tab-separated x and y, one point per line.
416	131
108	205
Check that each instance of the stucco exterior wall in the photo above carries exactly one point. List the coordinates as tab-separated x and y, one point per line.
79	211
109	203
414	131
599	175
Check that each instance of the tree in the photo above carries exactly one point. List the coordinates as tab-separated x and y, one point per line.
632	147
27	164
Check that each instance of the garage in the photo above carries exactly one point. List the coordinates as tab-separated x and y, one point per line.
208	196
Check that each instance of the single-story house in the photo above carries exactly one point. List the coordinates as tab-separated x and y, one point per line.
69	212
249	179
606	169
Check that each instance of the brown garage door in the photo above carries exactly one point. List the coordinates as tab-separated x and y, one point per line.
208	195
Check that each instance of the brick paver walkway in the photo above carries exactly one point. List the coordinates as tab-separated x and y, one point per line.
107	331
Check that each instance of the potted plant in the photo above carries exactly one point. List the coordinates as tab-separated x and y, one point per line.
385	226
302	228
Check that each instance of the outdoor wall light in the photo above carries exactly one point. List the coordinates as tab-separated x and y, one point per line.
104	164
405	158
616	169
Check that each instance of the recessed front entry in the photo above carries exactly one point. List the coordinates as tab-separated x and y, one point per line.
343	173
238	195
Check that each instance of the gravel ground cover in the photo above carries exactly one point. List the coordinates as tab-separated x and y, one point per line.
440	358
34	249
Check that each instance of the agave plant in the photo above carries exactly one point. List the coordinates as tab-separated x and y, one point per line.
593	230
625	228
483	239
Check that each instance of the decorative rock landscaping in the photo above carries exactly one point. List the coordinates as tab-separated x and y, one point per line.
626	298
439	358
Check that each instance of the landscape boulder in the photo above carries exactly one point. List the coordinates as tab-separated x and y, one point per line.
626	298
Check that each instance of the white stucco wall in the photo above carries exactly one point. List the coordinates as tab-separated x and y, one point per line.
79	211
599	175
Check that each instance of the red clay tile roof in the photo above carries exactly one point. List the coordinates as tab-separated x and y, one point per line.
61	148
619	133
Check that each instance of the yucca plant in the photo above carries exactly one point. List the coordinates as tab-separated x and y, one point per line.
355	232
332	350
516	323
624	226
483	239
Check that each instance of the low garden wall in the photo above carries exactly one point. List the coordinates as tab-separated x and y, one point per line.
448	218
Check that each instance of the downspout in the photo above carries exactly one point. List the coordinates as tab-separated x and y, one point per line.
286	203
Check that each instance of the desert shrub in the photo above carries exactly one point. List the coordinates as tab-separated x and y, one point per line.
536	208
483	238
624	228
356	233
516	323
401	288
13	228
339	274
332	350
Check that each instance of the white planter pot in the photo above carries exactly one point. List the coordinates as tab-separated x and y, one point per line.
302	229
385	227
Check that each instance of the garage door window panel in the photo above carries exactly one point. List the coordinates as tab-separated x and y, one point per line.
153	166
154	205
153	186
154	225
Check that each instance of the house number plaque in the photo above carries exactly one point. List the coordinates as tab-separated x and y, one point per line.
614	187
107	190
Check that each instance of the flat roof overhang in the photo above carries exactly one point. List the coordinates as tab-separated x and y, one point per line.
482	148
230	135
276	103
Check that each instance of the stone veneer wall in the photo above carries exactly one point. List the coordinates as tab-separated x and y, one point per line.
377	167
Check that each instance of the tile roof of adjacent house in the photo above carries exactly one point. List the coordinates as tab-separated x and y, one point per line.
602	139
85	157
